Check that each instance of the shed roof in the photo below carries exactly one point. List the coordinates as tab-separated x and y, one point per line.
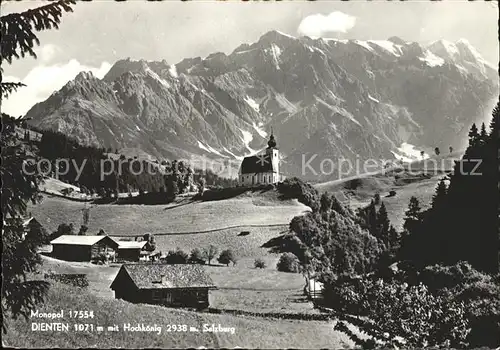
149	276
131	244
78	240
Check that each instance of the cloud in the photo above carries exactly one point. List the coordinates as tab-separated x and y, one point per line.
47	52
42	81
319	25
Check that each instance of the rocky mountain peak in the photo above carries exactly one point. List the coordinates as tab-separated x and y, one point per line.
276	37
332	98
397	40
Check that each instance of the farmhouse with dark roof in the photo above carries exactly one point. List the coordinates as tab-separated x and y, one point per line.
175	285
83	248
261	168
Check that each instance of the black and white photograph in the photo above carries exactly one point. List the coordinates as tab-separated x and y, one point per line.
222	174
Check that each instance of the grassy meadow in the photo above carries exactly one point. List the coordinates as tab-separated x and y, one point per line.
249	332
246	248
186	216
239	287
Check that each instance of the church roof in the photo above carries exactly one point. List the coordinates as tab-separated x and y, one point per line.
257	164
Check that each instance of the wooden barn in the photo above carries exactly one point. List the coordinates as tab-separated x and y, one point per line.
83	248
175	285
130	250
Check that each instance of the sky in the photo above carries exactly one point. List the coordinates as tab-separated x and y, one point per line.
101	32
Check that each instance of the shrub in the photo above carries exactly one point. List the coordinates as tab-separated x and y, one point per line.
376	198
227	256
259	264
210	253
288	262
462	283
302	191
151	245
333	241
399	315
201	185
177	257
196	257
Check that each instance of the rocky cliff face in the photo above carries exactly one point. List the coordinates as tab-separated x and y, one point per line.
324	98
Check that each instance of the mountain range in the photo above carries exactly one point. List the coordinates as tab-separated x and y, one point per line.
323	98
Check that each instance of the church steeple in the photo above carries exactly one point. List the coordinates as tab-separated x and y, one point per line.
272	142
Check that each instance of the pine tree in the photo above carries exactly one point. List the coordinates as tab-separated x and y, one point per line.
412	216
19	255
483	136
325	202
394	238
383	225
494	129
439	197
473	135
83	230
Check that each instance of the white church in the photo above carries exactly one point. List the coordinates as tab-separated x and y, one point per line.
262	168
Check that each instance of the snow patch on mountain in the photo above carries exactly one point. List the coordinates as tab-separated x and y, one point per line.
388	46
157	77
343	41
335	130
283	101
373	98
450	48
431	59
276	52
363	44
445	49
251	102
210	149
246	138
173	71
284	34
202	146
464	43
408	153
259	130
339	110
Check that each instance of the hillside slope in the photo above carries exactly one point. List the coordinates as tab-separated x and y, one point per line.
189	217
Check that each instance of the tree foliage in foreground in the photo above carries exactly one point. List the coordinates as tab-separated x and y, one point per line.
19	252
399	315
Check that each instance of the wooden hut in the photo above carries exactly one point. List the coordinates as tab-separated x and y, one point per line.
177	285
83	248
130	250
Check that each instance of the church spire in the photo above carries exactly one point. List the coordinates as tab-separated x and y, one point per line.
272	142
